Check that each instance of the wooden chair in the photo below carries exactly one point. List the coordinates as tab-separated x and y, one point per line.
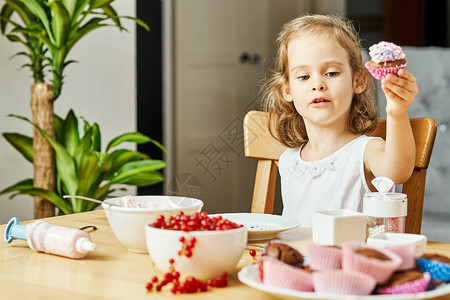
260	144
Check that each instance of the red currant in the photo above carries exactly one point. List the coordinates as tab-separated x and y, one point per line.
149	286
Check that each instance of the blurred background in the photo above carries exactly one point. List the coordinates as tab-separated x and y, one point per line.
190	81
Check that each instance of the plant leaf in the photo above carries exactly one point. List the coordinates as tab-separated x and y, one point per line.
50	196
24	13
70	6
96	138
64	162
88	172
19	186
139	22
60	23
145	178
5	14
100	3
38	9
84	144
132	137
80	6
120	157
72	137
21	53
59	129
22	143
92	24
130	169
111	12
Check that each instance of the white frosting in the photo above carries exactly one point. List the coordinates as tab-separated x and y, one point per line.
386	51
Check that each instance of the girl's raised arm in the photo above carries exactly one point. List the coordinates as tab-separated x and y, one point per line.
394	158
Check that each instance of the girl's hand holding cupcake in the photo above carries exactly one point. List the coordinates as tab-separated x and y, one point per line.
400	91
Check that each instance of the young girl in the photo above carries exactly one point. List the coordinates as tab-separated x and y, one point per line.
320	101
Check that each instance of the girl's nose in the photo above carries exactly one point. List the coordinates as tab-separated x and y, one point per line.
319	87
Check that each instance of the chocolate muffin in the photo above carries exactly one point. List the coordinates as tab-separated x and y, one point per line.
284	253
372	253
405	282
399	278
437	257
437	265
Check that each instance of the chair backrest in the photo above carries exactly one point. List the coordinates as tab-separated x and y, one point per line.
260	144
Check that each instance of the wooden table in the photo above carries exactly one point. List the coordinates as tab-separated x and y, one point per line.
112	272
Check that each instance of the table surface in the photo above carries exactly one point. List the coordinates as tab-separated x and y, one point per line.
112	271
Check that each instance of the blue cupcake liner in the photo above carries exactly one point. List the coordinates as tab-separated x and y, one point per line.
437	270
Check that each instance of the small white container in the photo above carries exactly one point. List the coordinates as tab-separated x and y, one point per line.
395	239
333	227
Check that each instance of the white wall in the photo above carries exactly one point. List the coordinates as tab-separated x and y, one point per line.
101	87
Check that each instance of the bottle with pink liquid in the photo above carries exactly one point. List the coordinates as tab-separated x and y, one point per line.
48	238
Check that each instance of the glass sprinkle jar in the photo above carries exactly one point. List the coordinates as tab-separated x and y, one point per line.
386	211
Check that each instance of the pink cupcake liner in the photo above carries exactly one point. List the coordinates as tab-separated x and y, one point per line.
324	258
412	287
378	269
279	274
380	73
259	263
343	282
406	253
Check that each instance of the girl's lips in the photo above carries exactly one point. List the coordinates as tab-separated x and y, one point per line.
317	102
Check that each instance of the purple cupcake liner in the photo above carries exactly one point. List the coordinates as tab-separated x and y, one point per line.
412	287
380	73
437	270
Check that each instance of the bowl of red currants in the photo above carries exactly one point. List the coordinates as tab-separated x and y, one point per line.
195	245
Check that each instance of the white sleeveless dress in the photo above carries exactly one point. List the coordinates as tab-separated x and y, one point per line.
334	182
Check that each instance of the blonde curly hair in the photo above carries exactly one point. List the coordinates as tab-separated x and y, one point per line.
285	123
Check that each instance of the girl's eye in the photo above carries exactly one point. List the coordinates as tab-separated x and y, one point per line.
304	77
332	74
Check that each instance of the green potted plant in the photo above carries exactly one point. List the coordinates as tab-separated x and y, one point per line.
49	29
82	168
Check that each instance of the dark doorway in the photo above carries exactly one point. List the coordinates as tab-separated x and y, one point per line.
149	82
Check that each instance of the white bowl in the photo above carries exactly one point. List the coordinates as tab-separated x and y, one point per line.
214	252
396	239
333	227
128	224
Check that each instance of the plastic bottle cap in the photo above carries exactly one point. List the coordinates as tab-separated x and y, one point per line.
84	245
383	184
14	231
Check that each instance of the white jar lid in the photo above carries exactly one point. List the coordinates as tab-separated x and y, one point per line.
389	205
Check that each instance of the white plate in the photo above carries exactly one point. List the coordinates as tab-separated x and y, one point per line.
261	226
249	276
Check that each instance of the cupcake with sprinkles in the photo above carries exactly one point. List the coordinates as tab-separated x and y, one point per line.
386	58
